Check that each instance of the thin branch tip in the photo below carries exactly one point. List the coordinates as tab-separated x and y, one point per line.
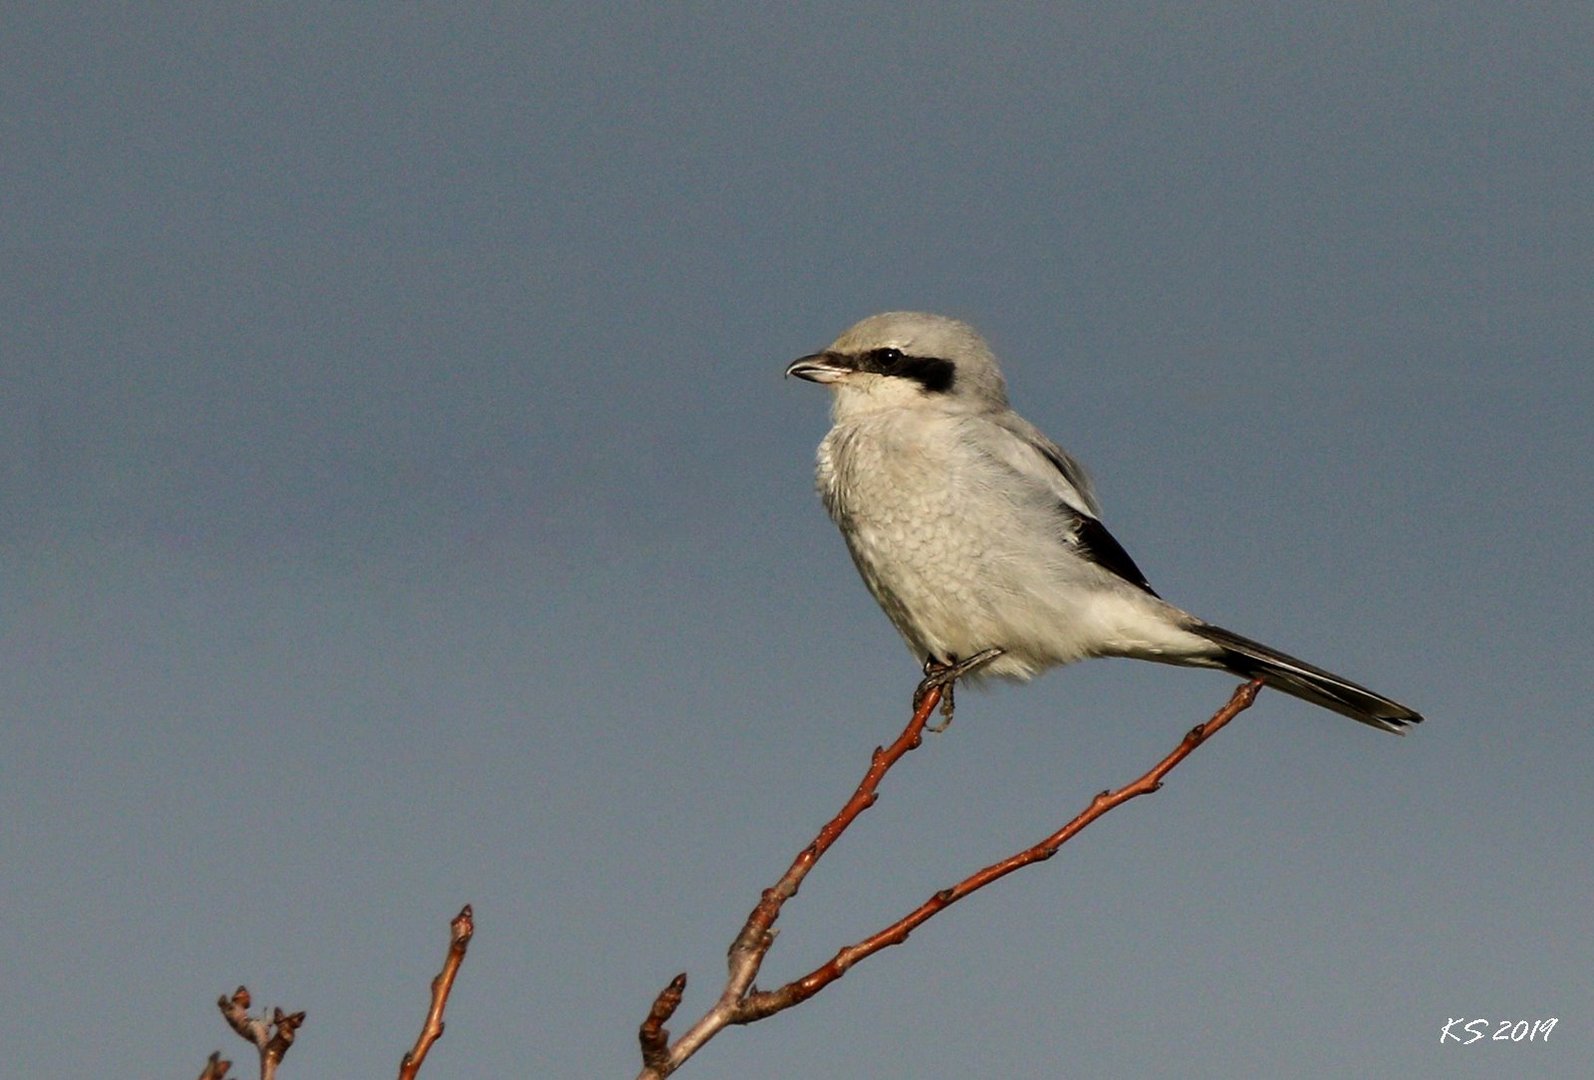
216	1067
653	1036
460	931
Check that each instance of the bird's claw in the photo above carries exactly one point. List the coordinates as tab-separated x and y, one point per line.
943	677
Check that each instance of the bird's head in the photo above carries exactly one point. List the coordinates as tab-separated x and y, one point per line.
907	359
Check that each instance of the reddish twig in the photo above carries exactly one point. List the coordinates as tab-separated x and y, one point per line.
758	1005
654	1038
216	1068
741	1003
271	1037
461	929
757	934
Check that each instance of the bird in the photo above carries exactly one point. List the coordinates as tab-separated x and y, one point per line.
981	538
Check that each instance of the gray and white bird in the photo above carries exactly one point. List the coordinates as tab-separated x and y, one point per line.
974	531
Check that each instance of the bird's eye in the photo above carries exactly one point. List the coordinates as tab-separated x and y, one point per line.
885	360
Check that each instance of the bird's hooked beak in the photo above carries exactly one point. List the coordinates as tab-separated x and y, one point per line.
822	367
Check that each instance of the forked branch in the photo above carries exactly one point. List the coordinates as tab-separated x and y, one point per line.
742	1003
271	1038
274	1035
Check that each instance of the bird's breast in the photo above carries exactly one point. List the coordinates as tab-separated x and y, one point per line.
910	508
882	475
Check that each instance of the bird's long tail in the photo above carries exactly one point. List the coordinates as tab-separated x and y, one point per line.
1254	660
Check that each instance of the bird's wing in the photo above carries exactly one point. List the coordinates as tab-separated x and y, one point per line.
1020	446
1026	451
1094	542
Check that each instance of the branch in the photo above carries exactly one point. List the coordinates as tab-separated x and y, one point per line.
655	1040
271	1037
741	1003
759	1005
460	931
216	1067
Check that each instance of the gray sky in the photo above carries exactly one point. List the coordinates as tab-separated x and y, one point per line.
400	506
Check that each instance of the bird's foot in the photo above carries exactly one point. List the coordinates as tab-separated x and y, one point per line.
943	677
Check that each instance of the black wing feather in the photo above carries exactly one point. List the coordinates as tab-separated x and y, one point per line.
1087	534
1094	542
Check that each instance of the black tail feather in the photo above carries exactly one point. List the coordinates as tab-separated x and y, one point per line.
1254	660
